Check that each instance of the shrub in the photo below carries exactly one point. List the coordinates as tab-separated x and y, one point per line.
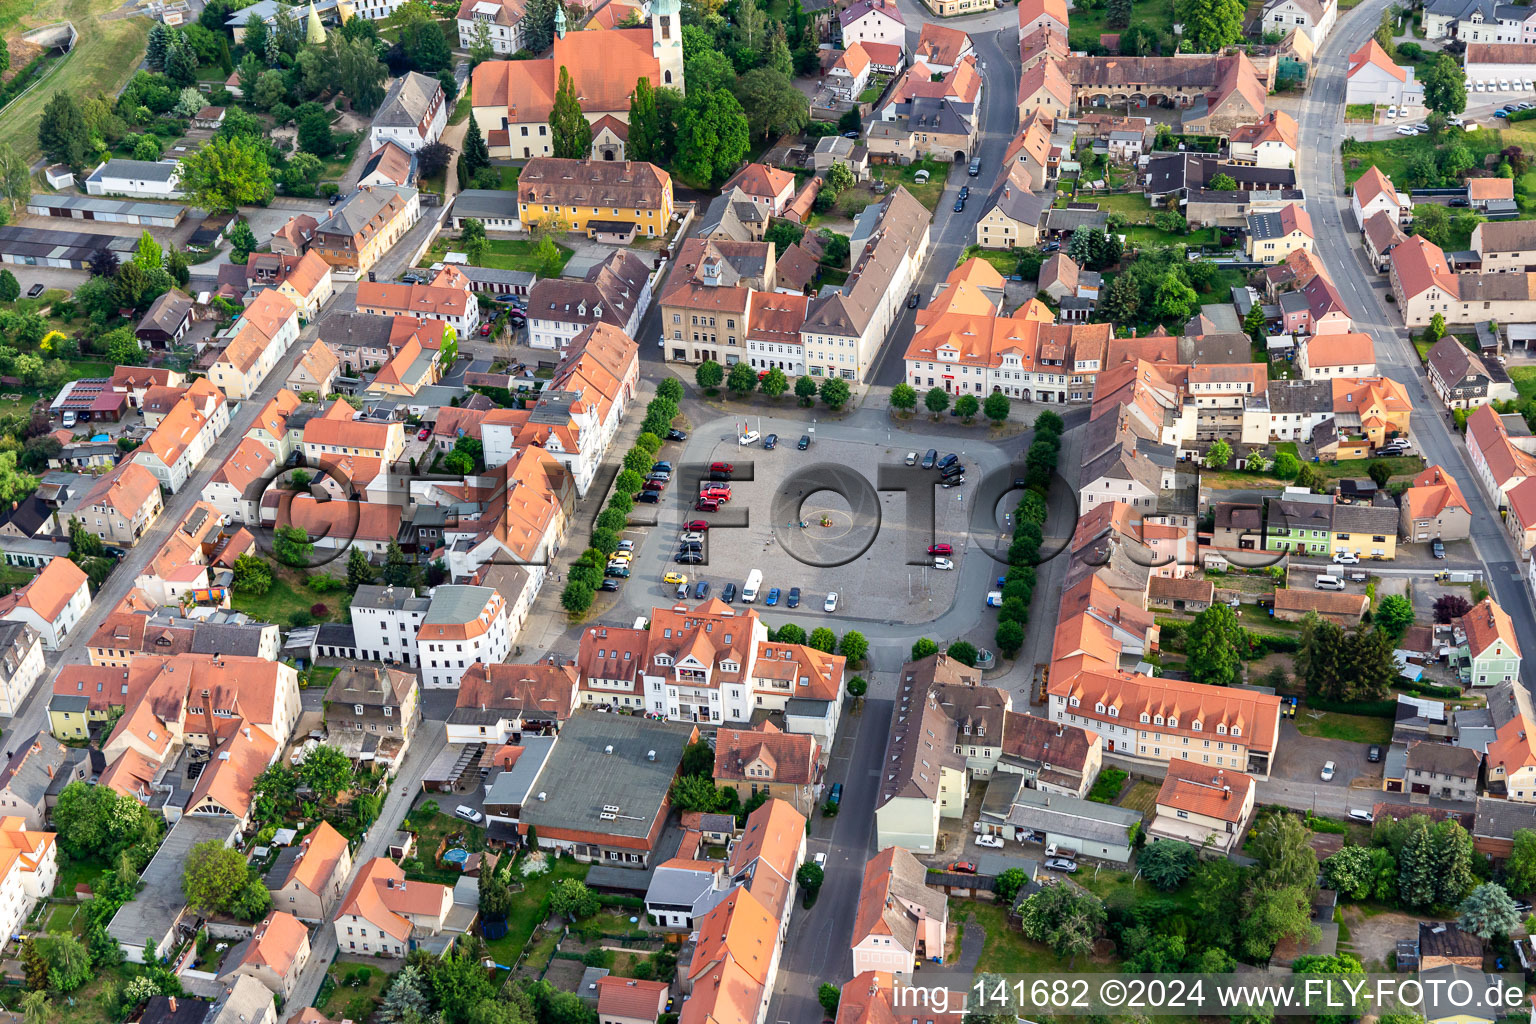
1108	785
319	611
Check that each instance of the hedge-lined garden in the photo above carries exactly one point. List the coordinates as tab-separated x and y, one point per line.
1028	533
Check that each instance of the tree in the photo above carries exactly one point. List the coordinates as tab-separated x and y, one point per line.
810	876
774	383
252	575
839	178
226	174
1285	857
1210	25
291	546
822	639
922	648
1174	300
695	793
1445	86
645	128
1009	638
853	646
789	633
1218	456
1007	885
1063	917
1394	614
69	964
326	771
577	596
421	37
805	390
475	154
712	135
155	46
10	288
180	61
1121	303
1488	912
407	1001
1371	667
937	400
1223	183
213	874
903	397
62	134
1450	607
828	996
1167	863
433	159
35	1008
966	407
1214	646
709	374
964	652
996	407
835	392
1270	915
742	380
572	899
569	130
772	103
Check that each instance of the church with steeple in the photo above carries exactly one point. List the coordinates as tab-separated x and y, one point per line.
512	99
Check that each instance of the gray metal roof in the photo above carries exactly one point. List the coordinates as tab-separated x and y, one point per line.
139	170
581	777
485	202
1070	816
101	204
456	604
152	913
514	785
397	598
407	101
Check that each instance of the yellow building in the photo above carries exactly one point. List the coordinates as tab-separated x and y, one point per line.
596	197
1369	531
1274	236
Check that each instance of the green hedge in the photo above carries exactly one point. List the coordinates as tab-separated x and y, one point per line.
1265	643
1521	115
1427	689
1369	708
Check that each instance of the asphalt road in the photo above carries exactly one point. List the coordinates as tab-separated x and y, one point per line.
1338	243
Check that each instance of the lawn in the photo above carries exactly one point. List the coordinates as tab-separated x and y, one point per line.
288	596
102	62
1360	112
927	194
359	989
1004	261
1334	725
527	908
337	163
461	109
65	918
75	872
1525	380
1403	465
1393	155
1086	26
504	254
432	831
1138	213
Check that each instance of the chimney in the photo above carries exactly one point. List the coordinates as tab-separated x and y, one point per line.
172	1004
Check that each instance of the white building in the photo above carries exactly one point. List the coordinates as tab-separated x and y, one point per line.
235	488
1374	193
184	435
30	873
1373	78
464	625
52	603
412	115
385	621
874	21
503	21
1500	63
1315	18
21	664
149	179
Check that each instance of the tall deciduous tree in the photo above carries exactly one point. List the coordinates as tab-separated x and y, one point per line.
61	133
569	130
1210	25
712	136
213	874
356	70
644	122
772	103
226	174
1445	85
1214	646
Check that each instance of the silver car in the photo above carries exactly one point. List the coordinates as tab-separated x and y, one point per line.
1061	864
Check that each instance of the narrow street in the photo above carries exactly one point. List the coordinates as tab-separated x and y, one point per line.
1338	243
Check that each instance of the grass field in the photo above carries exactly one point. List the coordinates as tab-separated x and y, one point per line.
354	1002
289	595
103	60
1335	725
927	194
1525	380
1393	155
1138	212
524	916
1086	26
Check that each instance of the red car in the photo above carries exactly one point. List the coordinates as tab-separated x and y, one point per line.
720	492
963	867
940	549
485	329
696	524
423	433
706	505
721	467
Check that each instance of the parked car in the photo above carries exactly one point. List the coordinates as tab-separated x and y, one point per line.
1328	770
990	842
948	460
485	330
647	498
1361	815
728	593
1403	129
701	590
773	597
661	467
965	191
963	867
1437	549
722	467
423	433
771	442
940	549
1346	558
696	525
952	481
467	813
35	291
750	437
677	435
1061	864
1373	755
911	458
830	604
943	563
912	301
609	586
674	577
626	545
689	558
793	599
959	205
804	442
617	569
930	458
706	505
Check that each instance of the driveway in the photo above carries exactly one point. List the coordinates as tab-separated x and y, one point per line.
1300	758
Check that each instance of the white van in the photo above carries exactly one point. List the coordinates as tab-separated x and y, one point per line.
1328	583
750	588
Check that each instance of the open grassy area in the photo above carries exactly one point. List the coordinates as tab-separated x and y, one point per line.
359	990
102	62
1393	155
1524	378
289	595
1405	465
65	918
503	254
525	915
928	194
1086	26
1335	725
1138	213
1360	112
1004	261
461	109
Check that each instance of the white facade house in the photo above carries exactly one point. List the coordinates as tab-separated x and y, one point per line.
464	625
33	870
1373	78
21	664
412	115
1315	18
53	603
874	21
1374	193
385	621
149	179
502	21
1495	63
184	435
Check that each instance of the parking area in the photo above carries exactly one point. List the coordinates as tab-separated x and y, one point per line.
1300	758
813	519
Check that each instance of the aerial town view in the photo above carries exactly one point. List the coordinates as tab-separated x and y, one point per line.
767	511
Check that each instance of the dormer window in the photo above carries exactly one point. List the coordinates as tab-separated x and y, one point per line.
1195	725
1073	701
1145	718
1173	723
1114	712
663	659
1157	719
1221	729
1099	707
1236	731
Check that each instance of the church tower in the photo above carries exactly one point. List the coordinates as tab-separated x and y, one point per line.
667	42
